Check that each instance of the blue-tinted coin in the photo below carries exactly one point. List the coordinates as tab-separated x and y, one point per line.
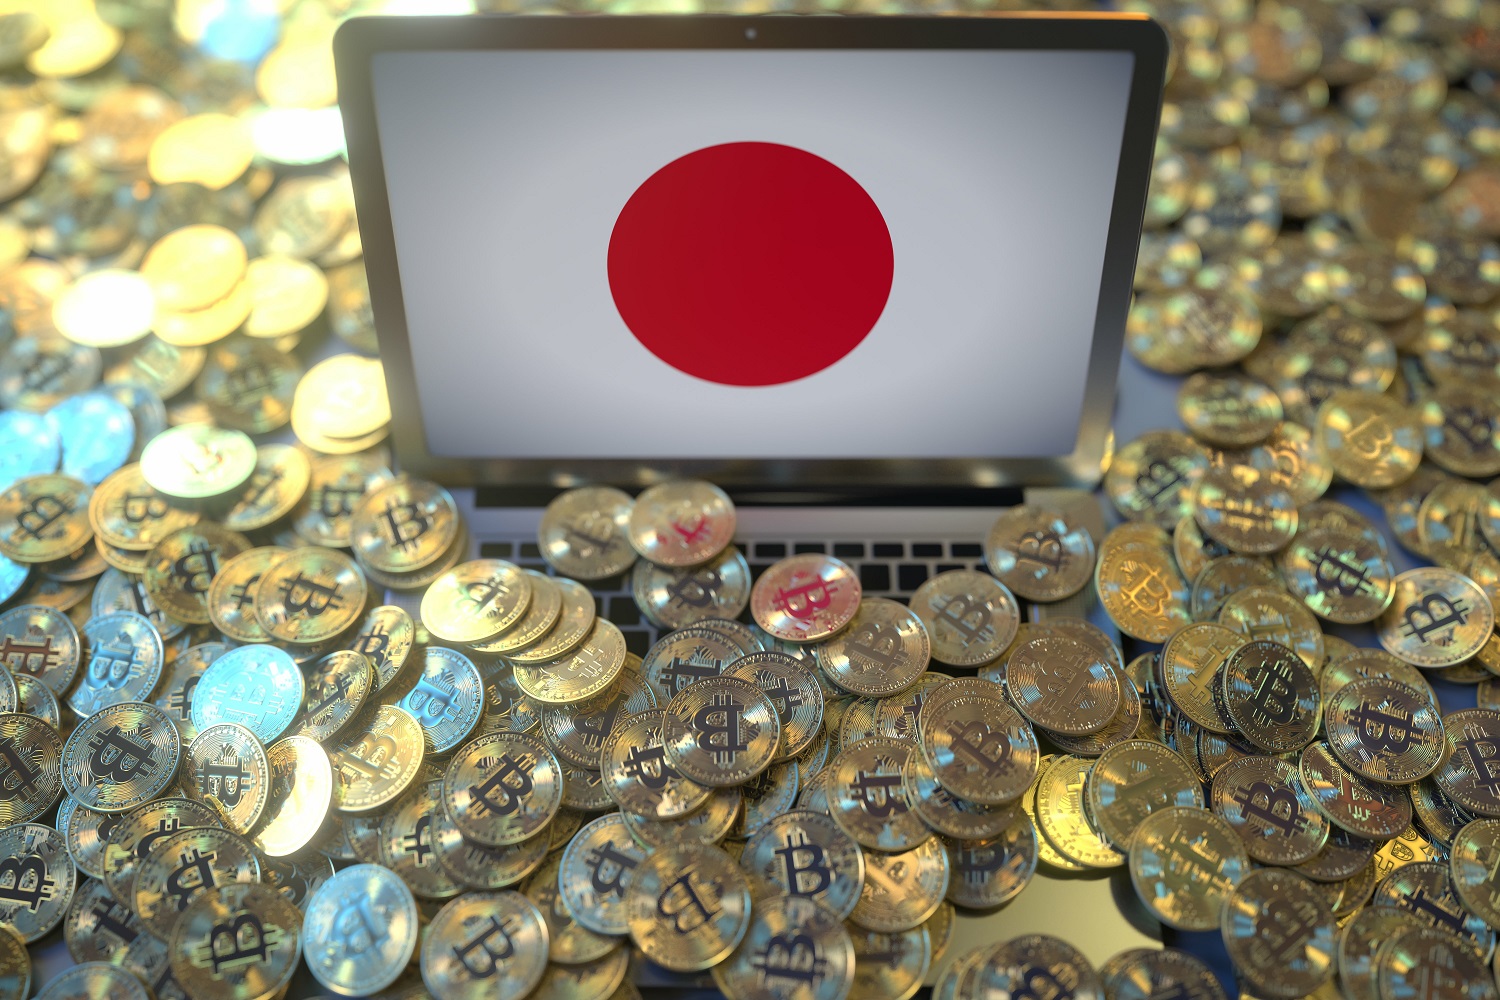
97	434
28	446
12	576
146	408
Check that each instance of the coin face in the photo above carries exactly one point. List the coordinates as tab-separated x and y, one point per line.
479	867
542	612
231	594
867	796
359	930
1142	973
584	533
1437	618
597	868
1273	615
40	642
44	517
385	639
182	865
971	617
44	880
639	777
1279	934
309	596
301	790
804	853
1424	889
127	513
585	671
1342	576
336	484
502	788
1151	478
794	692
882	652
1131	781
979	749
708	825
1140	588
240	940
1185	863
1362	807
721	731
1039	554
1471	871
257	686
1385	731
1413	957
675	598
485	945
1058	811
1062	684
406	839
688	906
197	461
1271	696
1466	773
121	756
681	523
1370	439
1244	509
122	662
337	686
990	872
805	598
227	767
448	698
820	964
30	768
1264	800
476	600
684	657
403	525
374	762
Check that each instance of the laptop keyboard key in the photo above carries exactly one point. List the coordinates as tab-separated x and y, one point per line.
801	547
875	576
770	550
966	550
889	550
910	576
927	550
849	550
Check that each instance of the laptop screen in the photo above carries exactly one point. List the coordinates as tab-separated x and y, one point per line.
750	254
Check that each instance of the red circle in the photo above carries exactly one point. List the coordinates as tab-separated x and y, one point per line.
750	263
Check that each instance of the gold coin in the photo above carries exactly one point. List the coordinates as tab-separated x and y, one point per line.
1039	554
275	487
1244	509
502	788
1371	810
584	533
239	941
336	485
44	881
210	149
359	930
1131	781
385	639
121	756
794	692
946	813
476	601
867	796
1279	934
403	525
41	643
286	295
1429	961
1270	614
376	761
1362	662
478	867
1141	591
677	598
597	868
542	613
1271	696
30	768
575	624
720	731
681	523
1437	618
127	513
971	617
568	942
1471	868
311	595
882	652
1228	411
1140	973
1460	425
1466	774
1062	684
132	834
181	567
578	675
805	598
1185	863
231	593
301	790
892	966
577	732
341	397
447	699
795	947
1060	816
803	852
688	907
258	686
197	461
1264	800
1448	523
405	840
1190	665
708	825
195	266
182	865
638	776
1152	478
44	517
978	747
337	687
902	890
1384	730
227	768
1342	576
485	946
1370	439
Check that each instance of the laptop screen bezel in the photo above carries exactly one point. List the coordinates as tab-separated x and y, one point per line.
359	39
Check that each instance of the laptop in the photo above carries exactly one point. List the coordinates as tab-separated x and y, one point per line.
867	274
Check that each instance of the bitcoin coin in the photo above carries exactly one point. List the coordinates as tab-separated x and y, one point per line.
131	836
385	638
1223	576
121	756
1184	864
597	868
677	598
406	830
238	941
1343	577
1244	509
945	812
309	596
1431	962
1039	554
37	880
794	693
991	872
1271	696
1264	800
1152	478
970	617
485	946
1060	817
707	825
795	947
376	760
568	942
805	598
181	567
257	686
804	853
94	981
336	484
1360	941
580	674
1190	665
1023	963
1143	973
447	700
684	657
1385	731
1472	871
902	890
1436	810
359	930
300	792
980	750
227	768
1424	890
231	593
892	966
479	867
275	487
1279	934
30	768
42	643
868	799
337	687
123	662
126	512
476	601
1361	807
542	613
583	533
720	731
882	652
197	461
502	788
577	732
574	626
96	929
681	523
1141	590
688	906
44	517
638	776
1466	773
403	525
1437	618
1062	684
1131	781
1274	615
184	864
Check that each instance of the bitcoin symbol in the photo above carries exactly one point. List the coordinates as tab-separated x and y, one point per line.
792	853
478	593
1274	698
793	957
681	903
329	694
1284	927
590	535
1332	571
1043	547
804	601
163	827
1420	902
609	869
224	779
878	793
355	929
717	729
697	590
117	758
1148	589
1370	437
17	774
876	644
679	673
405	523
114	919
240	940
969	617
314	597
1434	613
430	703
593	727
977	864
372	644
1482	758
194	570
691	531
1389	729
110	666
493	955
649	766
782	695
1039	984
511	781
140	507
1156	480
25	881
259	488
193	875
40	514
419	841
980	746
32	658
1274	805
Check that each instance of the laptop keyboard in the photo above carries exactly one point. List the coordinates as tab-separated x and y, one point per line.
885	568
